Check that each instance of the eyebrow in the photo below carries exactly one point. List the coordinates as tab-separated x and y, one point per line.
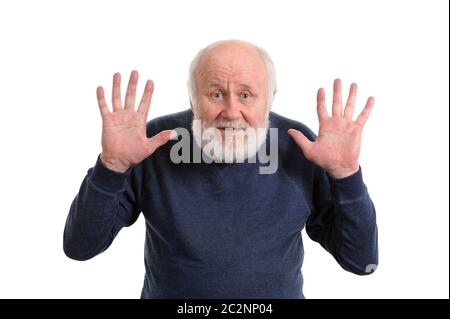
217	84
247	86
214	84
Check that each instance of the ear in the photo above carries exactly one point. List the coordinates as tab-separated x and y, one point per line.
273	98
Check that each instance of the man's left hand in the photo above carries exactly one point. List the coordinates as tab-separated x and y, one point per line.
338	143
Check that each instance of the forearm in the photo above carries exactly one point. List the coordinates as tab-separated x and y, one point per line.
344	222
92	222
356	233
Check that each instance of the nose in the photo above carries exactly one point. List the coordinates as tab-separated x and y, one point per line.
231	110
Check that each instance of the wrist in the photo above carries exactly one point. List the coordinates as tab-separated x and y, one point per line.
343	172
113	165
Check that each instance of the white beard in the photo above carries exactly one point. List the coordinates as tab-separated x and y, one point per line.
232	148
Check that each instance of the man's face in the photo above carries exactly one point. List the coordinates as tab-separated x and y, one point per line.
231	95
231	84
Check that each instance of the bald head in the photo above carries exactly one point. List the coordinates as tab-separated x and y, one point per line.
234	58
231	51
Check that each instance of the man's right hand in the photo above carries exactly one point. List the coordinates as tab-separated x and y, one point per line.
124	138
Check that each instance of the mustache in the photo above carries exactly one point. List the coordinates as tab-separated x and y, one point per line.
222	123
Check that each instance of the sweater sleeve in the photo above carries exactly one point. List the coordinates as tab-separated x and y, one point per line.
104	204
343	221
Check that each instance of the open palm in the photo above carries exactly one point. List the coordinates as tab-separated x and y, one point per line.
338	143
124	139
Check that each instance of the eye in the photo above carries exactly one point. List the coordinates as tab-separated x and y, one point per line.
245	95
217	95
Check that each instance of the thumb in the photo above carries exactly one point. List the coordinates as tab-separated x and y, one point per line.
158	140
302	141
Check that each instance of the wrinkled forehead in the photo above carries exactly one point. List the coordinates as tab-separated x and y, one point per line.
241	63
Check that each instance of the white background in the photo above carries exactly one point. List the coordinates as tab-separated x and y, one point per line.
54	53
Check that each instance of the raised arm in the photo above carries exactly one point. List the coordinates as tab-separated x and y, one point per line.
343	217
107	199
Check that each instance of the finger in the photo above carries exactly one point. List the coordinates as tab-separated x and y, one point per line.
337	98
130	96
116	99
322	112
350	105
364	115
302	141
159	140
101	101
146	98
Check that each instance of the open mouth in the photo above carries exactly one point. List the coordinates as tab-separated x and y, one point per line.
230	130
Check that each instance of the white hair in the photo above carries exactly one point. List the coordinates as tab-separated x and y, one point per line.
270	68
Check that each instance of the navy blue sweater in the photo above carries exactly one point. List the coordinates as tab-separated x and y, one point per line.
224	230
